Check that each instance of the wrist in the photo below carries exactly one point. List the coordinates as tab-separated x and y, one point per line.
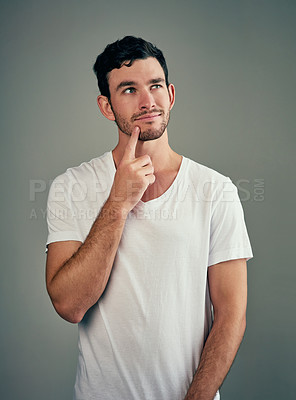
115	209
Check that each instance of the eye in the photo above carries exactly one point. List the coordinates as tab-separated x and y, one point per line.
129	90
156	86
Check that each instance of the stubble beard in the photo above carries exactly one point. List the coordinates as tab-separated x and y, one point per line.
147	133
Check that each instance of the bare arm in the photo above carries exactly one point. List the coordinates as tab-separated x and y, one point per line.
77	283
228	291
77	274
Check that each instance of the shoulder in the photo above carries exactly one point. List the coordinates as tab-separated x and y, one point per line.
204	173
86	170
88	176
207	182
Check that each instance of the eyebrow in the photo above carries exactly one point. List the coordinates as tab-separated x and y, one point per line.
133	83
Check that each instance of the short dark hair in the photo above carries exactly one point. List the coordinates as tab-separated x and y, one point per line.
129	48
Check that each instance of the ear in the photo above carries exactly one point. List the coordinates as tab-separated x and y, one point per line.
171	90
105	107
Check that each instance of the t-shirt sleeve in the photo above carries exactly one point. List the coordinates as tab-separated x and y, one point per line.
229	238
61	221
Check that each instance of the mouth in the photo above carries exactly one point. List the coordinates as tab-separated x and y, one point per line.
148	117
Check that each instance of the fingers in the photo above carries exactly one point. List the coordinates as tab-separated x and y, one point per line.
142	161
130	149
147	170
151	179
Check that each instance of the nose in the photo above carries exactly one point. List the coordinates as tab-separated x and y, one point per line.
146	100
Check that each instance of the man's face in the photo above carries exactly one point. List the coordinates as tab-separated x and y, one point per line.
139	97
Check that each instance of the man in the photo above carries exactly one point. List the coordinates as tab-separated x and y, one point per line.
142	243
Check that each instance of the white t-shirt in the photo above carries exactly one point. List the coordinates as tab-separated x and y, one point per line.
144	337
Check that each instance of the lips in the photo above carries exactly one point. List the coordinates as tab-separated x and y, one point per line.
148	117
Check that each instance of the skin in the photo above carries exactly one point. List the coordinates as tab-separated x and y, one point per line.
137	92
228	291
77	273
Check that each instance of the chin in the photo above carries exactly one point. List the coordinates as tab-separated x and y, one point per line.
147	139
148	135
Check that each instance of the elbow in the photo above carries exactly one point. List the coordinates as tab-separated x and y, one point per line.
66	309
68	313
235	322
243	325
240	324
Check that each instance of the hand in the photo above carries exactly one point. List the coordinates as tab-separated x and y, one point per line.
132	176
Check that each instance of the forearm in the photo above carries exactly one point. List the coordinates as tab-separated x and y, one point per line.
81	280
217	356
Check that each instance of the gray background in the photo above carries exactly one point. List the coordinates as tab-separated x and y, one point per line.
233	64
